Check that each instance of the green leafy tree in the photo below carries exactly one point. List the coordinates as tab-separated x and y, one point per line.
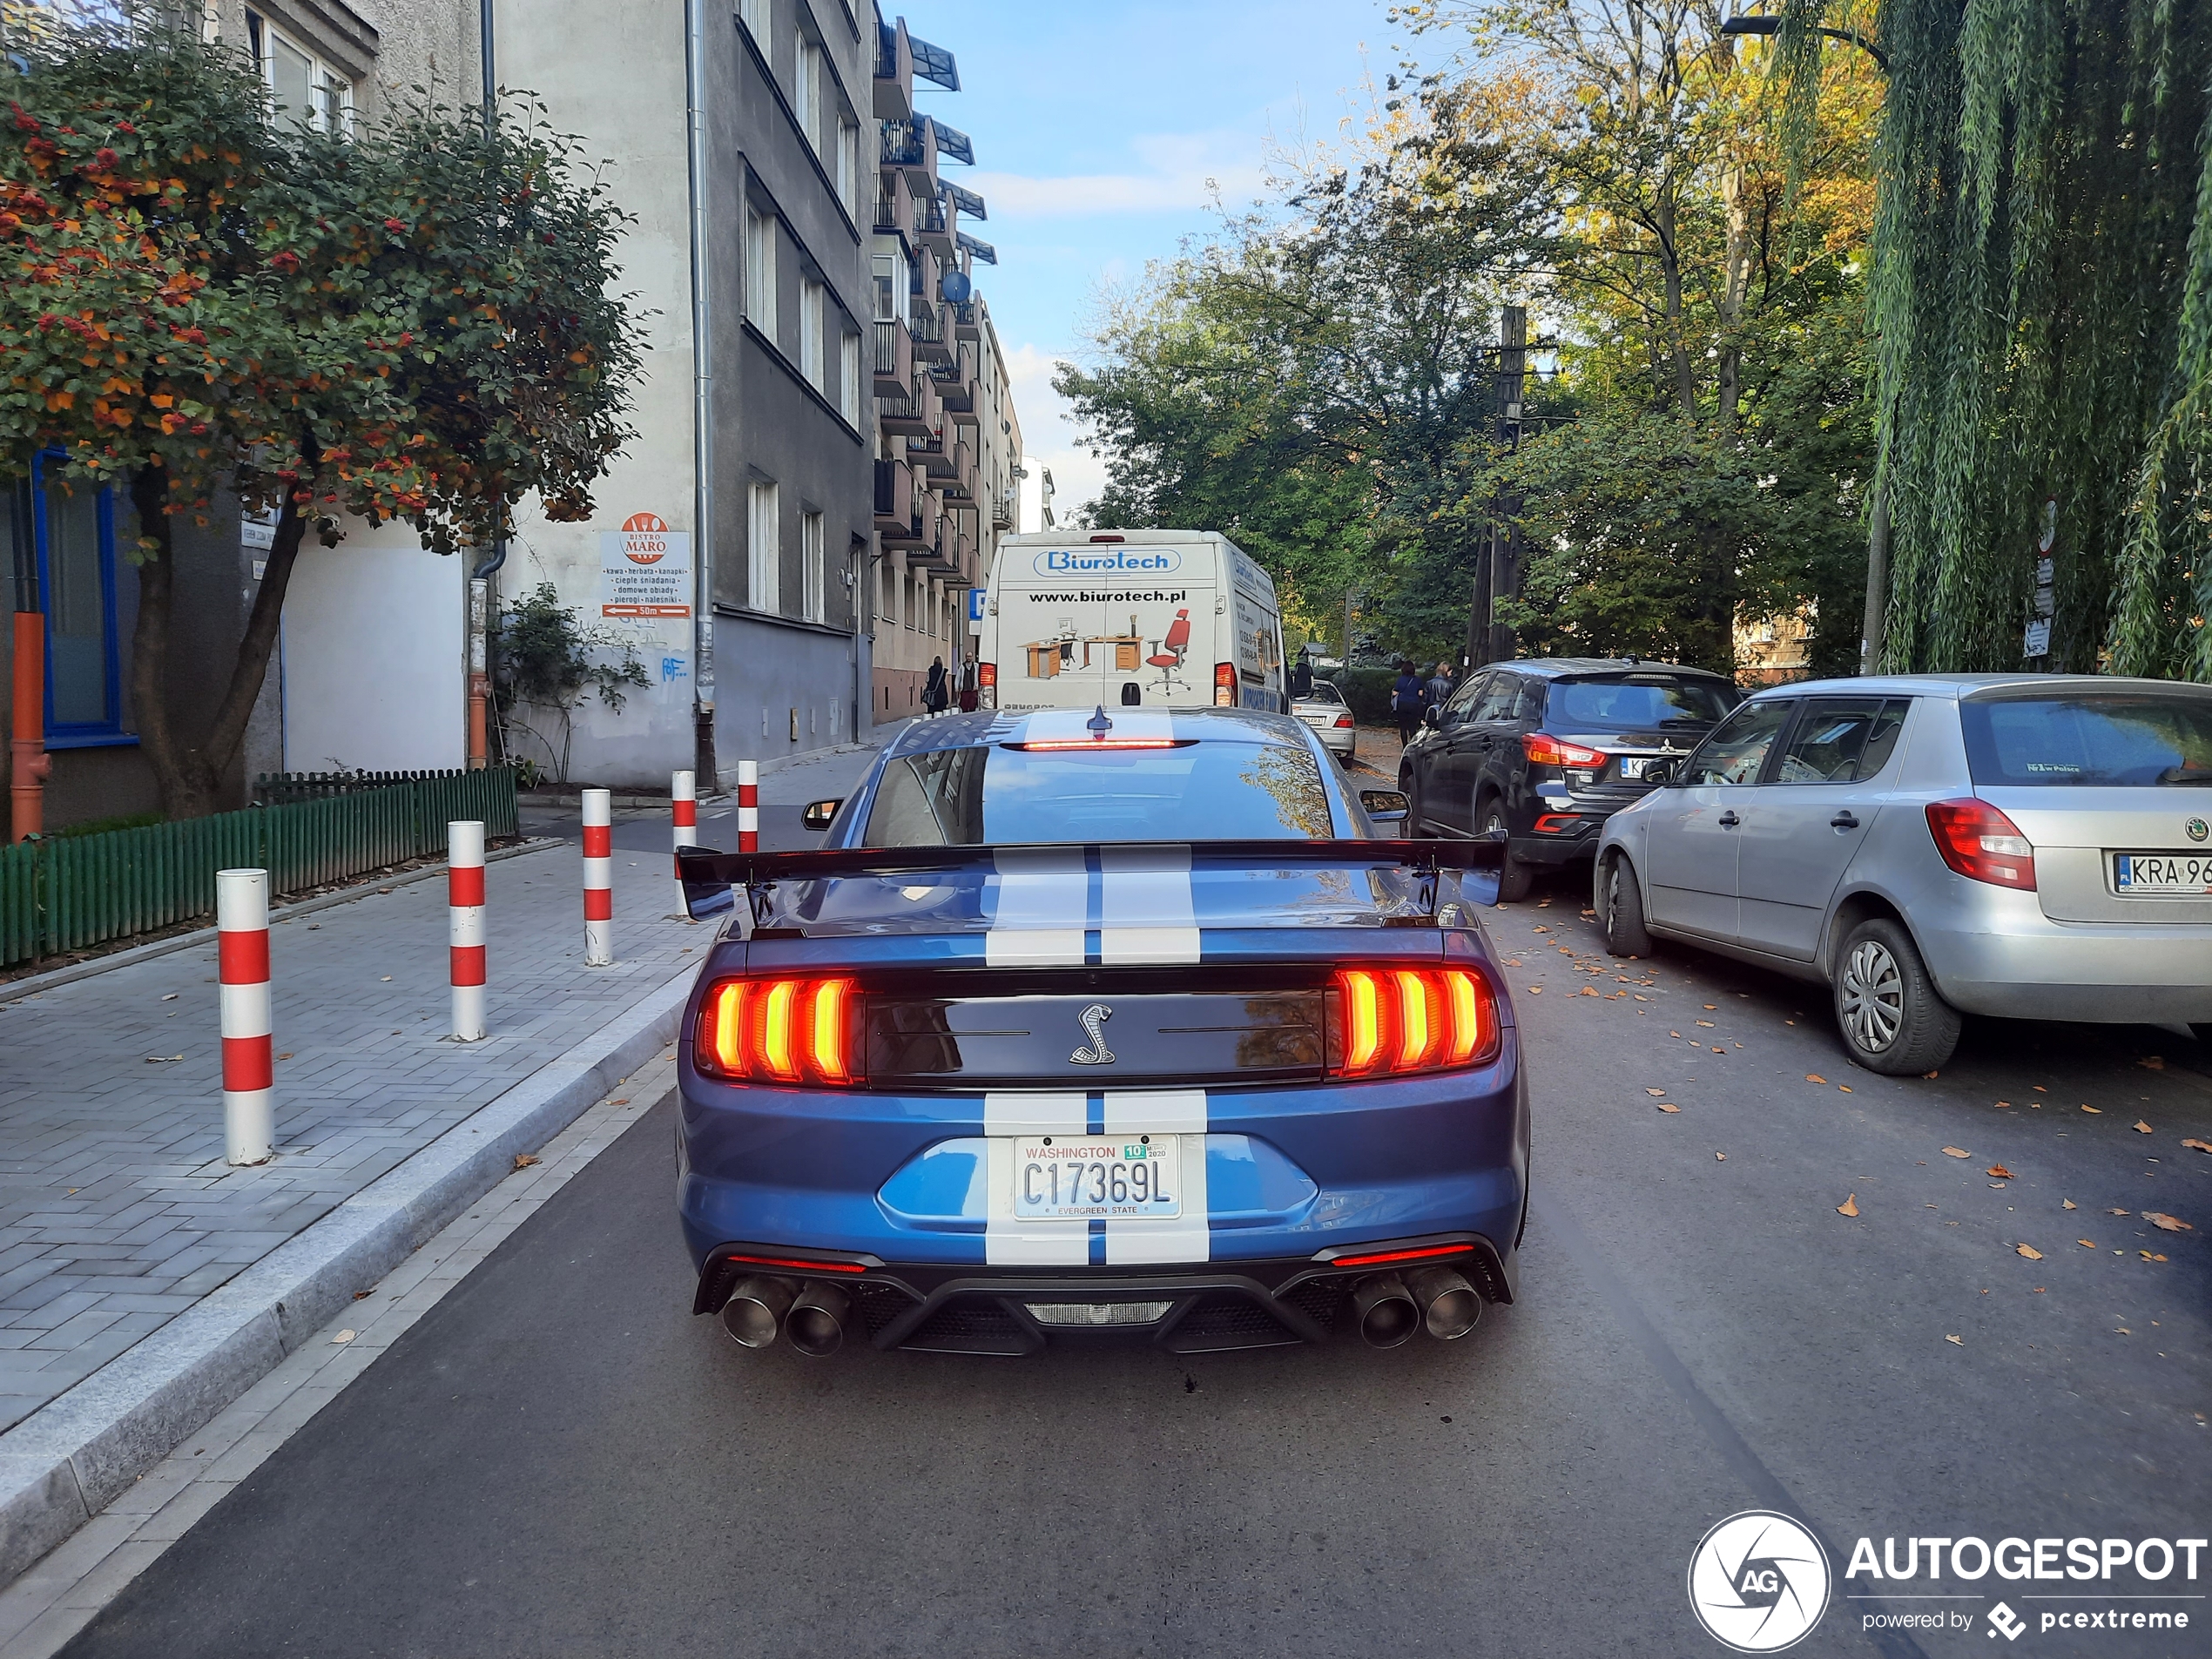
417	323
545	661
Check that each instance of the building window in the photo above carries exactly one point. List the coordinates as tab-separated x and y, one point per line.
760	272
302	87
805	90
893	278
810	334
848	167
72	529
754	14
764	551
848	377
887	598
810	551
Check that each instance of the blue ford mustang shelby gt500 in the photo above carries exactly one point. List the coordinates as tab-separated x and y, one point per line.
1080	1025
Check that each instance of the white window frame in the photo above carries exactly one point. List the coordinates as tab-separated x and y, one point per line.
764	549
760	271
814	595
806	92
813	357
848	168
756	16
848	375
324	76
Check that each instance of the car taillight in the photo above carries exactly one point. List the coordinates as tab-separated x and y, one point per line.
1387	1022
1981	843
987	685
1544	750
778	1030
1344	719
1225	685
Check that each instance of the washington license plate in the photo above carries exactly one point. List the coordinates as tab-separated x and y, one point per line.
2177	873
1074	1178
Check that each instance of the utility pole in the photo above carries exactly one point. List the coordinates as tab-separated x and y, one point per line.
1497	566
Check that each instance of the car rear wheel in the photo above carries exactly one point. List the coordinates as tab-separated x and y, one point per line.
1886	1006
1619	907
1514	876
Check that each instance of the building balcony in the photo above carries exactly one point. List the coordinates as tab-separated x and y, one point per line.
933	228
967	320
895	70
1006	511
955	388
926	275
894	360
930	343
910	147
894	496
934	456
902	417
894	213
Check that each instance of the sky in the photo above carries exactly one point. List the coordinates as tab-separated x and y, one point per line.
1097	128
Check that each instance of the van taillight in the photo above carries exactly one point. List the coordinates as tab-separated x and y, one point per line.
1225	685
987	685
778	1030
1389	1021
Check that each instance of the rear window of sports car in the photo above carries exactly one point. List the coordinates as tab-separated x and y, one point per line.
2089	739
1196	792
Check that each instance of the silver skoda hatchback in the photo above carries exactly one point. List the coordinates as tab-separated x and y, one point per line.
2030	845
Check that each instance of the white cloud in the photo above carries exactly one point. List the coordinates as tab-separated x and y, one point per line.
1049	433
1181	170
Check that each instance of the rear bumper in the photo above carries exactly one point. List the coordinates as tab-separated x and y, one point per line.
1994	951
962	1309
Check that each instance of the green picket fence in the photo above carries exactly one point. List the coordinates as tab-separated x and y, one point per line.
74	892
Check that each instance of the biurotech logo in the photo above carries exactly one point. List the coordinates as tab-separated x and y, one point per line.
1759	1581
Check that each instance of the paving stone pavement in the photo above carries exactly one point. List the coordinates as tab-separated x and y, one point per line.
117	1210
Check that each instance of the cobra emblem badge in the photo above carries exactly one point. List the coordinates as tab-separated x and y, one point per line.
1093	1020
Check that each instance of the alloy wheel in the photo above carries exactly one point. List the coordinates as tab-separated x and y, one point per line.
1873	996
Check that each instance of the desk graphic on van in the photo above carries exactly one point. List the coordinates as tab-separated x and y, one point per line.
1049	658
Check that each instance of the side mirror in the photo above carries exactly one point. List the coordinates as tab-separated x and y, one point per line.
1657	773
819	813
1383	805
1432	716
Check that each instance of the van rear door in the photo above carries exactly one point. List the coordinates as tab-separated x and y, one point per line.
1084	625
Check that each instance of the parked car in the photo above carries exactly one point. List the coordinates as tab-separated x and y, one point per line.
1085	1024
1326	711
1540	753
2032	845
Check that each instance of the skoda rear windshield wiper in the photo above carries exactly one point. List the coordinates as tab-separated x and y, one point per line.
2186	775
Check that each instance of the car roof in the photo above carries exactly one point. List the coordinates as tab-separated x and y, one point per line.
1955	687
977	730
1562	667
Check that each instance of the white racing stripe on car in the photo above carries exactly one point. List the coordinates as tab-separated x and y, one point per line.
1006	1242
1135	1242
1038	901
1146	912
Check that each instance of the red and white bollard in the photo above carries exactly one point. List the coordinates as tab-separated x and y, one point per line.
683	816
748	805
249	1067
598	879
465	927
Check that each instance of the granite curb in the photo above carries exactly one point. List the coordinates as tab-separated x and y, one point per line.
65	1462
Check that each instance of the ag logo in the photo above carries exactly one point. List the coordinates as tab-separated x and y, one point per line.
1759	1581
2196	828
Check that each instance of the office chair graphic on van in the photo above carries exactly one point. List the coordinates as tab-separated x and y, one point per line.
1168	654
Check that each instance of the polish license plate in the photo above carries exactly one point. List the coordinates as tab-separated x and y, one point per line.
1632	770
2162	872
1066	1177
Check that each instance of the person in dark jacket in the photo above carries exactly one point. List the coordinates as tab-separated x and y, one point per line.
933	691
1439	685
1302	674
1408	699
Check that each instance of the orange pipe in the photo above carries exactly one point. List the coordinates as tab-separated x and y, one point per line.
479	698
29	761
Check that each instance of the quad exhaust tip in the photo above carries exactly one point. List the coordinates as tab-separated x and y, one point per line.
817	1320
755	1311
1450	1307
1383	1310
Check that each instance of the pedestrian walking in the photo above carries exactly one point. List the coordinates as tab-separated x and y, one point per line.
934	695
1408	699
1302	673
1439	685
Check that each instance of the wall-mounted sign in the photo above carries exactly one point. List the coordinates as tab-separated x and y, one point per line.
645	570
2038	639
258	529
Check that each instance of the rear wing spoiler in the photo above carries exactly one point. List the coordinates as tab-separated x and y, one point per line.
708	877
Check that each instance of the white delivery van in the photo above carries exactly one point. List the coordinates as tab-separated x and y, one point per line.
1129	618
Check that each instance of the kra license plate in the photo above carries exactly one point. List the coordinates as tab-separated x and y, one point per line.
1074	1178
2162	872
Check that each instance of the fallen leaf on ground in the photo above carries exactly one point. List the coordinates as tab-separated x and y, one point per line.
1654	1091
1535	990
523	1160
1931	1075
1815	1077
1665	1107
1586	991
2142	1128
1513	961
2070	1204
1845	1086
2166	1224
2087	1244
1960	1341
1849	1207
2003	1102
2039	1088
1956	1152
1707	1023
170	997
2122	1331
345	1336
2001	1173
1708	1006
2152	1062
2201	1146
2115	1212
2030	1251
1674	1033
2093	1112
1720	1157
2149	1257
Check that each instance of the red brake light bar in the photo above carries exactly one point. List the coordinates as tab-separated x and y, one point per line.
801	1265
1037	743
1545	749
1424	1253
1389	1021
778	1030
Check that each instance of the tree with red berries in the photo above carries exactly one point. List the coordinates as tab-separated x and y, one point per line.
416	322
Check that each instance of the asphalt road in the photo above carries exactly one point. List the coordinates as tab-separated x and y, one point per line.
559	1460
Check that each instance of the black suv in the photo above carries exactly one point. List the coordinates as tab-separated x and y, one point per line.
1543	752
